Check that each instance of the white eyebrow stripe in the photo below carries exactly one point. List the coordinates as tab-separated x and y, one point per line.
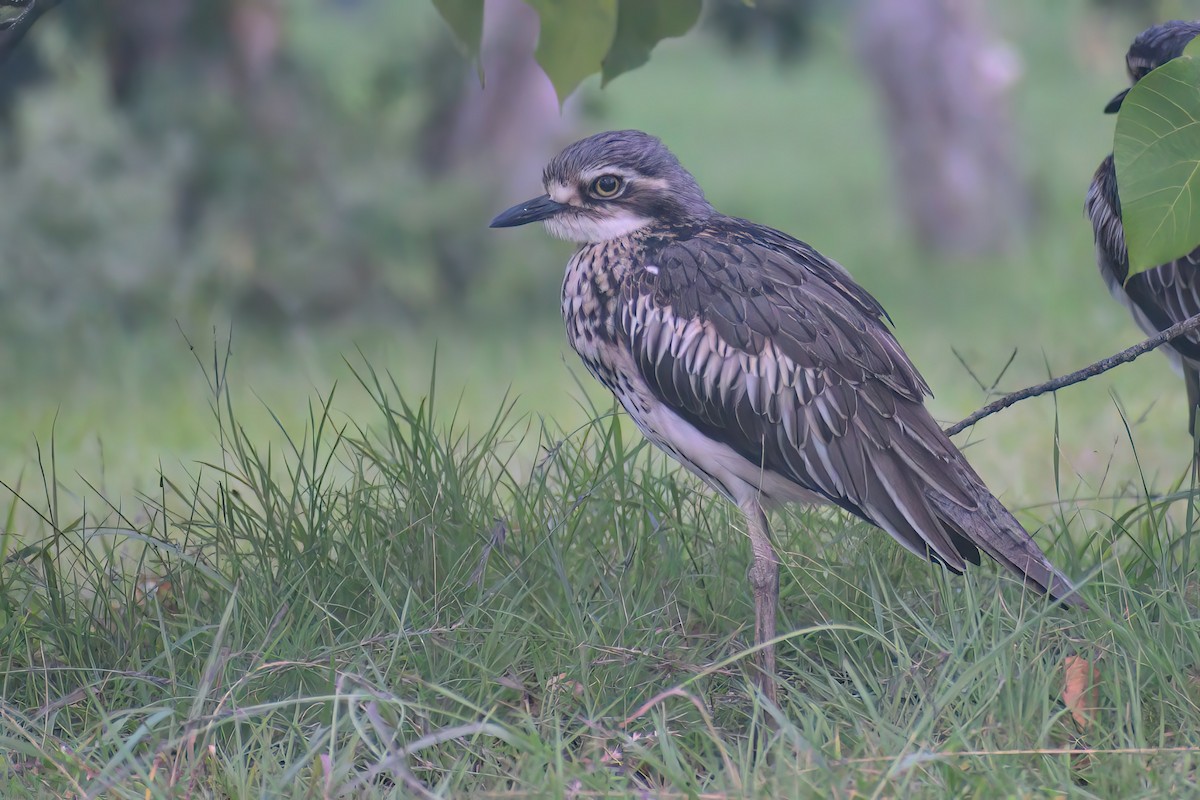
629	176
587	176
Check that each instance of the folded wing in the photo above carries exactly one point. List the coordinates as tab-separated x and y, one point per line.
761	343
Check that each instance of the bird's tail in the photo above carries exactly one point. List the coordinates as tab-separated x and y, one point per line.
991	528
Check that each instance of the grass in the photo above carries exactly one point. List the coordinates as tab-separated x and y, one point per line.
307	569
389	608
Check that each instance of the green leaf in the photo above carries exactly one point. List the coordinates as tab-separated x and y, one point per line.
641	24
465	18
1156	150
574	37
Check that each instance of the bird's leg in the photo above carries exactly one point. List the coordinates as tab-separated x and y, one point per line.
764	580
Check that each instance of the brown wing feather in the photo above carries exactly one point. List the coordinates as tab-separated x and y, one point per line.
1169	294
760	343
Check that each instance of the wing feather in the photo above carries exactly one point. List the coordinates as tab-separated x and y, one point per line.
1169	294
759	342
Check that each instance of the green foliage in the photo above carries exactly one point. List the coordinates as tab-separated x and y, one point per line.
465	18
579	38
297	200
86	217
573	38
640	26
1157	154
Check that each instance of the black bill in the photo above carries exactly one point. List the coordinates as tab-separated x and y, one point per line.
533	210
1114	105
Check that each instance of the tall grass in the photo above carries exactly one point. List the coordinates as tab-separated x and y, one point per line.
393	609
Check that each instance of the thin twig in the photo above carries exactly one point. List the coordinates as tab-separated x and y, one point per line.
1090	371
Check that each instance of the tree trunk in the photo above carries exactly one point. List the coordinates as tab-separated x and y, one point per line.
943	83
493	138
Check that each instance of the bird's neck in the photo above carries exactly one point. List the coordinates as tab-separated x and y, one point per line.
592	287
614	254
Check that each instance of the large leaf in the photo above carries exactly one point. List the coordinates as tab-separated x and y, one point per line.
1157	154
641	24
465	18
574	38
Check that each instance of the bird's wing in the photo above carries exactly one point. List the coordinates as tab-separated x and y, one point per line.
1163	295
1168	294
761	343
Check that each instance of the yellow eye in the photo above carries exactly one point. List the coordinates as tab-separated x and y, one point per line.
606	186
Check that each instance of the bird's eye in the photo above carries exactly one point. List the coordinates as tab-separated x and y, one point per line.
606	186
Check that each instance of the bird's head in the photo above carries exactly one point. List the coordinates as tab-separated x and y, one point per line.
1151	49
610	185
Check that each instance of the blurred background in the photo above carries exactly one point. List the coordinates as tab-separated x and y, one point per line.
305	185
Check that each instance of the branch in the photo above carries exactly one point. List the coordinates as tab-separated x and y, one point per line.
1090	371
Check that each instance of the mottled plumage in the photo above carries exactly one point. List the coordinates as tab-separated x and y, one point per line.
759	364
1170	293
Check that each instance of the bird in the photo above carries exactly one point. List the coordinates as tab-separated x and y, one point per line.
761	366
1169	293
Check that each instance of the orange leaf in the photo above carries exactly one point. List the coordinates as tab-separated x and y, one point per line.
1081	689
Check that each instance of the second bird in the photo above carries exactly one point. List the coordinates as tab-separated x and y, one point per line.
1169	293
760	365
